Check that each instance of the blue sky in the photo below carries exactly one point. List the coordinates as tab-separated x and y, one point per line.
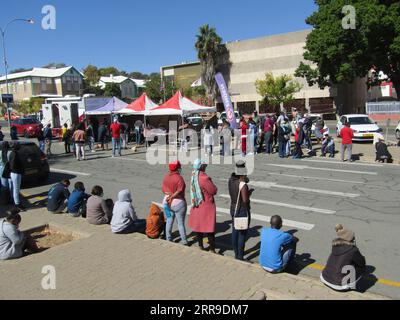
137	35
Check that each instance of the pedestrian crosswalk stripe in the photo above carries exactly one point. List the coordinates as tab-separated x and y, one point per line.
313	178
287	205
340	162
303	167
69	172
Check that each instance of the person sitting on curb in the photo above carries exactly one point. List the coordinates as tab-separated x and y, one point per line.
13	242
124	219
155	223
344	255
382	152
58	197
328	146
277	247
98	210
77	201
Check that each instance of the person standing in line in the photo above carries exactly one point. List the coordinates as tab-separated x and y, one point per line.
40	137
283	137
174	201
244	127
298	153
4	176
208	139
90	137
138	131
277	248
347	135
319	129
203	213
13	133
253	136
123	136
79	138
17	170
102	136
240	206
269	127
225	139
116	137
344	255
1	135
66	138
48	137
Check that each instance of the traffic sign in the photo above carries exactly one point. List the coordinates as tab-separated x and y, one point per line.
7	98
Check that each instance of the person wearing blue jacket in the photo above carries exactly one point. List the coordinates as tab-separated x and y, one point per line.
277	247
77	200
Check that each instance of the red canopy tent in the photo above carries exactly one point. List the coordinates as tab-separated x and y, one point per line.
140	106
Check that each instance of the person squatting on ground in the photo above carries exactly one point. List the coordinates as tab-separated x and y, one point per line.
240	207
155	223
345	260
328	146
382	152
203	214
13	242
77	201
278	248
174	201
124	219
57	199
98	210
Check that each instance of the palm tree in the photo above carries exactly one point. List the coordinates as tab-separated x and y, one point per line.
209	48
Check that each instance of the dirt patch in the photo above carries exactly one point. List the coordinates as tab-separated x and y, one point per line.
48	238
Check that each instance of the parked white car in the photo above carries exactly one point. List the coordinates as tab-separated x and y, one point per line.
363	127
398	131
223	117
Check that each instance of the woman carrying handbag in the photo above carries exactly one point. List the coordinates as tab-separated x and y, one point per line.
240	208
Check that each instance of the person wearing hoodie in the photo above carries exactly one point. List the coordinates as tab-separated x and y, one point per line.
155	222
344	254
124	219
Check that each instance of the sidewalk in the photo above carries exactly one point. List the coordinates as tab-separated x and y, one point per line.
101	265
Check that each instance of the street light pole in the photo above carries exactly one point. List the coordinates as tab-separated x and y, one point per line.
3	36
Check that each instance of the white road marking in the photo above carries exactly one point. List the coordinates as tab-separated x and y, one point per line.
259	217
313	178
128	159
286	205
298	167
160	205
348	163
269	185
70	172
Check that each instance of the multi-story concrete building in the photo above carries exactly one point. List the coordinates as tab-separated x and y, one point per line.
249	60
43	82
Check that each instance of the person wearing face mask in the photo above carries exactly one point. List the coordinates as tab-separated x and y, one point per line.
203	213
97	210
174	201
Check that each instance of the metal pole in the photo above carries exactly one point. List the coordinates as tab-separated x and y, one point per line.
6	70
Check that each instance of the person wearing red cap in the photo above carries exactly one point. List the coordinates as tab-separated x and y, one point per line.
174	189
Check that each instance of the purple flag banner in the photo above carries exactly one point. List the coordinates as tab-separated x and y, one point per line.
226	99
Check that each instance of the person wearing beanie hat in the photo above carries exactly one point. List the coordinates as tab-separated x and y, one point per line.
240	206
203	213
344	254
174	201
382	152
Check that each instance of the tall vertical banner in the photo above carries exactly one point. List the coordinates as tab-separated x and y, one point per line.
226	99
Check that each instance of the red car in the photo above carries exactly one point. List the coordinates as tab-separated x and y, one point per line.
26	127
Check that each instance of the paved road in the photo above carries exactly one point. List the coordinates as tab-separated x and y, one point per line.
311	195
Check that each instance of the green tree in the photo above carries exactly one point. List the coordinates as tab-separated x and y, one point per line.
92	75
340	55
105	72
155	89
138	75
112	90
276	91
209	48
90	89
33	105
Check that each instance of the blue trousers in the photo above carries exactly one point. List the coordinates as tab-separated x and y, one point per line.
116	144
238	242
